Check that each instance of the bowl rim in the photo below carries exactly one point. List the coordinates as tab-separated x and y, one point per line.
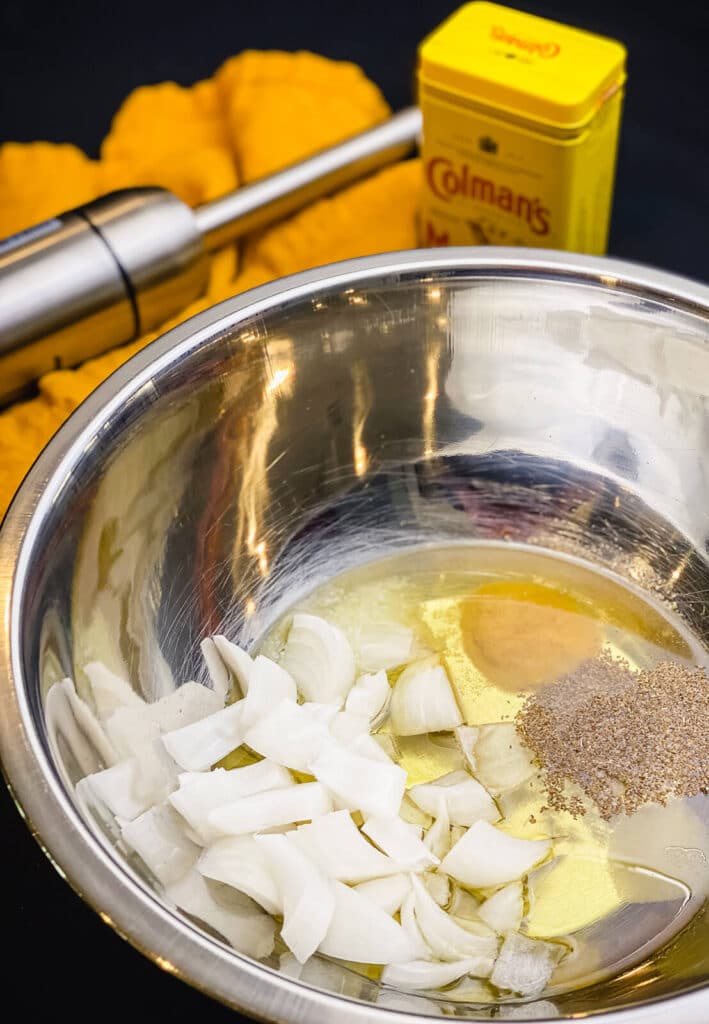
112	891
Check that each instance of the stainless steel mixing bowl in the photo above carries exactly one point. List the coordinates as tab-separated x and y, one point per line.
418	398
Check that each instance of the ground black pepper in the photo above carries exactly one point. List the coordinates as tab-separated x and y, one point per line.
624	738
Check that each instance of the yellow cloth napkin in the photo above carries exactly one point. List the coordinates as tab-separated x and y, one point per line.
259	112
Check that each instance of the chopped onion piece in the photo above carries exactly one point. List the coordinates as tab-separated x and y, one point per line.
466	800
292	734
423	700
159	840
439	887
239	663
486	857
400	841
388	893
117	788
410	926
270	808
269	684
238	861
361	783
348	727
320	659
361	932
305	894
525	965
221	683
370	697
247	928
466	738
504	910
382	645
198	746
438	837
189	703
109	691
502	760
132	730
419	975
448	940
200	793
463	905
334	843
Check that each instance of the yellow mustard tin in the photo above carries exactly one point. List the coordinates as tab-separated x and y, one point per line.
521	117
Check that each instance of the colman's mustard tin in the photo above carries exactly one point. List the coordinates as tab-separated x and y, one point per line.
520	129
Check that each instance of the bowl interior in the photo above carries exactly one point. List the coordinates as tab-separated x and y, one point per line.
225	474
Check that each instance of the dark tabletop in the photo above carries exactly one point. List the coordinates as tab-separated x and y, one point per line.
65	69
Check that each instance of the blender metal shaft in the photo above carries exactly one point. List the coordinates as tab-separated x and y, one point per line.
107	272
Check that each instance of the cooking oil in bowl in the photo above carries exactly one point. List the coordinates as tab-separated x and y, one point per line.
507	625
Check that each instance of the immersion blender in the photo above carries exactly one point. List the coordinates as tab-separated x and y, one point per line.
108	272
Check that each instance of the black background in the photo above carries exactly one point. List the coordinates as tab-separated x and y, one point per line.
64	69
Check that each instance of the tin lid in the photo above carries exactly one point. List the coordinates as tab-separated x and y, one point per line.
529	65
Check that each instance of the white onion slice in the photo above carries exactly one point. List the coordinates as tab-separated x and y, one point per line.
466	738
335	844
410	926
504	910
388	893
370	697
198	746
271	808
400	841
117	788
420	975
487	857
202	792
525	965
448	940
361	783
502	760
238	662
110	692
438	837
132	730
292	734
218	673
439	887
423	700
463	905
189	703
159	840
269	684
244	925
239	861
466	800
348	727
305	894
361	932
320	659
383	645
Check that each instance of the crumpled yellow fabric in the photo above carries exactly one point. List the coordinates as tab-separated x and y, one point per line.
261	111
